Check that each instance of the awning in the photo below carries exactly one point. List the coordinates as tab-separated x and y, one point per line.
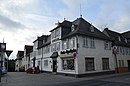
54	55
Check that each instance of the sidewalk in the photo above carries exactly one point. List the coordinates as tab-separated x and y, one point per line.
106	76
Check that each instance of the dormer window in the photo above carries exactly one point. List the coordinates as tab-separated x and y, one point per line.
119	38
125	40
128	40
43	41
72	28
92	28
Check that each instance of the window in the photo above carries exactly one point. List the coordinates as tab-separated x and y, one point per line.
53	34
92	44
120	50
119	38
64	45
89	64
53	47
45	62
72	28
92	28
57	32
126	50
68	64
71	43
48	49
117	50
85	42
129	52
105	63
58	46
123	51
121	63
128	40
39	51
107	45
38	63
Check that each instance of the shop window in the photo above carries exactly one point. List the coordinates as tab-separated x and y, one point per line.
68	64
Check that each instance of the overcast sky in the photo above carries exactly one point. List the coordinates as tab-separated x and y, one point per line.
21	21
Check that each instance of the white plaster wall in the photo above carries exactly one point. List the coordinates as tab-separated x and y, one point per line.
123	57
47	57
98	53
47	68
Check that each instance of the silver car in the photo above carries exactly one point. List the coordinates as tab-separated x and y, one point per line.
4	70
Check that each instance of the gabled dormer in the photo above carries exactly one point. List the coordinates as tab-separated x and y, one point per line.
27	50
72	27
119	38
60	31
127	36
92	28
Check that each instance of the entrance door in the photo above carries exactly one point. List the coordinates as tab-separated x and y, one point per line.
128	61
54	66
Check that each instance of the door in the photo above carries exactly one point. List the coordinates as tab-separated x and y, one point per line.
128	61
54	66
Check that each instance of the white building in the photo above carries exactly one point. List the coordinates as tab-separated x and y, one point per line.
18	62
74	48
26	59
121	43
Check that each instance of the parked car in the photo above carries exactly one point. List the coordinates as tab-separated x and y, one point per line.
22	69
3	70
33	70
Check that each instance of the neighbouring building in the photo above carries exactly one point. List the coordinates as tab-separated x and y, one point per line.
18	62
121	42
26	59
37	54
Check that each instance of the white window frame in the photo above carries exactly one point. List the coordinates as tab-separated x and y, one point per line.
92	42
105	64
65	66
85	42
45	63
89	64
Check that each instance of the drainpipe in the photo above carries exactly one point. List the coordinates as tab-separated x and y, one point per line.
41	59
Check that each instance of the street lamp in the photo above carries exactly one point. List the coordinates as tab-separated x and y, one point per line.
2	50
2	58
115	55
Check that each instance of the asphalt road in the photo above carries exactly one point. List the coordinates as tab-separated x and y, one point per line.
47	79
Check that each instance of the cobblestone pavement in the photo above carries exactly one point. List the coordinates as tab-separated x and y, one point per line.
48	79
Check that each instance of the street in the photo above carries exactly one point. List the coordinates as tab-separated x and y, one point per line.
48	79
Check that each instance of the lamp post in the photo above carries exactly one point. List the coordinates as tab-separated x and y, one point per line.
115	55
3	47
2	57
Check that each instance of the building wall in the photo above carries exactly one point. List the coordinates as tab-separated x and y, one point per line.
49	61
97	53
16	66
122	59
